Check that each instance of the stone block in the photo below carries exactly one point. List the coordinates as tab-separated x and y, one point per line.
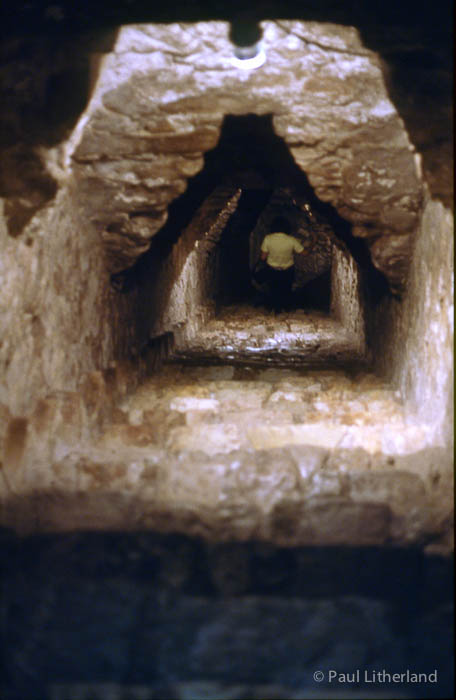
15	442
215	439
267	477
390	254
288	524
79	511
402	490
309	459
336	521
346	460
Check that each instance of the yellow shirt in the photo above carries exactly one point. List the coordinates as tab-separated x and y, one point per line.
280	248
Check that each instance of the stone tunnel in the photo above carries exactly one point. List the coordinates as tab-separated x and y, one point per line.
152	404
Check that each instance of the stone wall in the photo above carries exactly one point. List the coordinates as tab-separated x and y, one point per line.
347	304
60	321
179	299
160	100
63	326
413	340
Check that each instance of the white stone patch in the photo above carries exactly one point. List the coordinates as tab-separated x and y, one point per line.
403	440
418	165
135	416
61	450
193	403
293	42
134	472
354	113
181	124
150	38
388	440
321	406
215	438
342	67
137	200
382	109
155	182
330	37
387	182
325	484
285	396
131	178
273	33
73	142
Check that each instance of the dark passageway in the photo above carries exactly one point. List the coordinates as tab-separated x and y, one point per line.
235	275
252	161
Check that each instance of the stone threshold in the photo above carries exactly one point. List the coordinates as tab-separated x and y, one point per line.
258	336
286	456
293	496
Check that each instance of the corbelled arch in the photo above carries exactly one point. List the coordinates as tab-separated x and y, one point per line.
160	100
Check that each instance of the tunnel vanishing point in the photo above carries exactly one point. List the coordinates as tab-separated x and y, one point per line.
140	387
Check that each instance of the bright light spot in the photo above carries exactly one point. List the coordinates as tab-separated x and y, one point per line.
249	57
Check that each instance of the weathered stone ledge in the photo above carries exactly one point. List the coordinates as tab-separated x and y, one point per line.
291	496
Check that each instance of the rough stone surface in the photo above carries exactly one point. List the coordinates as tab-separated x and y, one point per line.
419	80
258	452
58	318
286	456
64	339
330	106
416	351
250	335
347	299
264	455
179	299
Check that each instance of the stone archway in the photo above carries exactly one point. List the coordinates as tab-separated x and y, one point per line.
160	100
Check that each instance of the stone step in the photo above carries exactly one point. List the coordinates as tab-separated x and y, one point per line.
258	336
284	455
220	409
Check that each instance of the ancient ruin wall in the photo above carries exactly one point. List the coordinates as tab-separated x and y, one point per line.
180	296
59	318
346	296
413	339
160	100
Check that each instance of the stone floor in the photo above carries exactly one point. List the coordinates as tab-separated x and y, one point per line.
217	409
243	333
295	455
237	527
